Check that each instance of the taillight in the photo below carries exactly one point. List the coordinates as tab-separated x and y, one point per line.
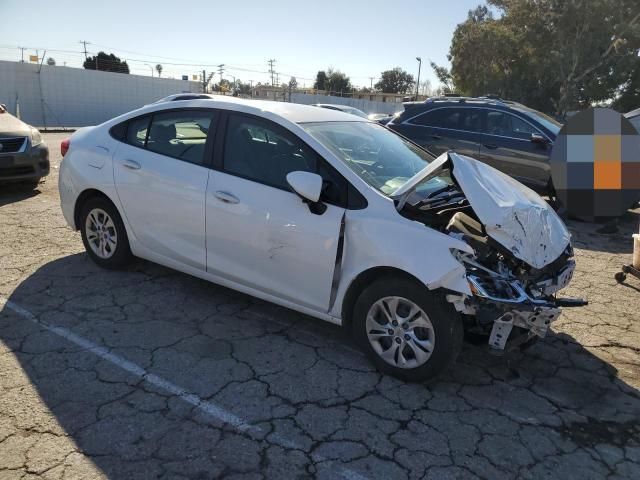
64	146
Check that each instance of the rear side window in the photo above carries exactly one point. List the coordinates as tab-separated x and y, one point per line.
180	134
440	118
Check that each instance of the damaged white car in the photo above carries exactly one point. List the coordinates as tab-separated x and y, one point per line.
325	213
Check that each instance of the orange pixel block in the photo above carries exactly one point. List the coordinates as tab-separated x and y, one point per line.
607	175
607	148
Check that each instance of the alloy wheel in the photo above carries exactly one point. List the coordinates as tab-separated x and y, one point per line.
101	233
400	332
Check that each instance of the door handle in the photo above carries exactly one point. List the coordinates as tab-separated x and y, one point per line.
226	197
436	137
490	146
131	165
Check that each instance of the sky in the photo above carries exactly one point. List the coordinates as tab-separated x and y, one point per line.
360	38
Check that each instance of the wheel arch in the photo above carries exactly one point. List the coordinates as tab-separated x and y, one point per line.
83	197
361	281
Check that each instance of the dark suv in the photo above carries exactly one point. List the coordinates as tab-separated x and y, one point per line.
506	135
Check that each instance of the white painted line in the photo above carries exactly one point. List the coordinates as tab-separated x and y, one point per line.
204	406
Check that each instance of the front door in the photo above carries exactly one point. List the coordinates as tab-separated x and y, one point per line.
259	233
507	145
161	180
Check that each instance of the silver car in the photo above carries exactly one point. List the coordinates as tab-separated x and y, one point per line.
24	157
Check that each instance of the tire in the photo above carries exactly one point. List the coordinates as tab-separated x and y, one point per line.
99	217
429	331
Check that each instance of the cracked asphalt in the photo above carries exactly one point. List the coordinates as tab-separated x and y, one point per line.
150	373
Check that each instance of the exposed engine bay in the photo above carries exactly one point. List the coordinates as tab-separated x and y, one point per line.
513	281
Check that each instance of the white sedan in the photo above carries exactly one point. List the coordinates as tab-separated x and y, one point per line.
325	213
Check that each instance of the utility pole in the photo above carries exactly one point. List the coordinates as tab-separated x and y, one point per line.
418	82
85	43
371	78
22	49
271	71
221	71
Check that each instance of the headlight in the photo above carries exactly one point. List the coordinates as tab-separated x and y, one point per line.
36	137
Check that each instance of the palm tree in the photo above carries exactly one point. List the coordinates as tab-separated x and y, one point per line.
159	69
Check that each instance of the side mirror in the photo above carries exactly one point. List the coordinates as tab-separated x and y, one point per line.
308	186
537	138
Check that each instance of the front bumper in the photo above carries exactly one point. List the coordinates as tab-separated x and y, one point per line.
513	306
30	164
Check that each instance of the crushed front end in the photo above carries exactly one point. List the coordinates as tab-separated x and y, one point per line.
522	252
511	302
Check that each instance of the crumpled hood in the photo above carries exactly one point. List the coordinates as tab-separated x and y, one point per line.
512	214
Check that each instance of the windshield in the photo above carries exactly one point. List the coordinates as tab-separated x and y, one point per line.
549	123
380	157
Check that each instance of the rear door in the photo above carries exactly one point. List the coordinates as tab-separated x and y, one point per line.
446	128
507	145
161	175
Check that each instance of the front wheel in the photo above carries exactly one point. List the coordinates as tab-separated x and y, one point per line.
406	330
103	234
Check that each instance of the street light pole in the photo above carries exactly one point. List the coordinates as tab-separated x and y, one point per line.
150	68
418	82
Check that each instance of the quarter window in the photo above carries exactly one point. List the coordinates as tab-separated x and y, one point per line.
137	131
262	151
180	134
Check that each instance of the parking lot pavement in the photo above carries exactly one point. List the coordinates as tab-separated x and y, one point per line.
150	373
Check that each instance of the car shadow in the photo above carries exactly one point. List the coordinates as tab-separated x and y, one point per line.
262	362
16	192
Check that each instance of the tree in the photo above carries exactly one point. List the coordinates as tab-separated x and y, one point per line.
159	69
106	63
293	83
337	82
51	61
553	55
444	76
321	80
395	81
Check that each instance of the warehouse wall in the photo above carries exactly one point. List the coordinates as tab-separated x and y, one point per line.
74	97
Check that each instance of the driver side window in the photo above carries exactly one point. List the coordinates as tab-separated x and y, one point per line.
262	151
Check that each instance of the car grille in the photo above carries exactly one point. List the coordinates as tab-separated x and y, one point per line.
11	145
15	171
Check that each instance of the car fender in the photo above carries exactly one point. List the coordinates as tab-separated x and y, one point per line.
400	243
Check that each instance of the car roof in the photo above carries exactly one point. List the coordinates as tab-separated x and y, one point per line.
294	112
632	113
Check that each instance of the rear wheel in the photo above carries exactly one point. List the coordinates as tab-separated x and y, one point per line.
406	330
103	234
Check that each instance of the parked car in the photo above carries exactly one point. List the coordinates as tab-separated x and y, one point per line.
506	135
24	157
381	118
326	213
185	96
342	108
